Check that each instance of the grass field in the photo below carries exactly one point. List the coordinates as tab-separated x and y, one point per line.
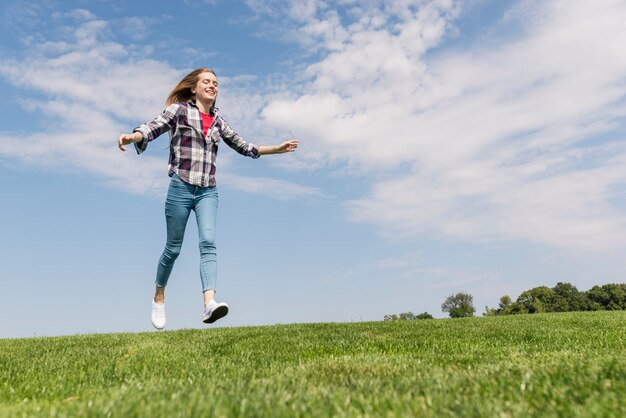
561	365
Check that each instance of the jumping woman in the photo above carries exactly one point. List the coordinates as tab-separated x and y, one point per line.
196	129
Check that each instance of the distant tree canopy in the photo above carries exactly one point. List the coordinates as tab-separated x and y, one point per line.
459	306
408	316
564	297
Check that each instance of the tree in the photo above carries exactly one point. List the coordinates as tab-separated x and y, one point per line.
490	311
609	296
459	306
407	316
569	298
505	307
424	315
404	316
537	300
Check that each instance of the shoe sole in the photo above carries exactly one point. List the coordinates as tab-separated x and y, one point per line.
219	312
159	328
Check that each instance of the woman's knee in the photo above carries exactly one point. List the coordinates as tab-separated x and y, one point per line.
172	252
207	245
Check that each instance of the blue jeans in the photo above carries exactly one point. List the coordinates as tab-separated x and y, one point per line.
182	198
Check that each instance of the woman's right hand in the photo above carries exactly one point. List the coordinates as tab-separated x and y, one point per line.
126	139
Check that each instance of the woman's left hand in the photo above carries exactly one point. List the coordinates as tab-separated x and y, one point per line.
287	146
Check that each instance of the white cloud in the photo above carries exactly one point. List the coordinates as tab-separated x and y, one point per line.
506	140
78	14
94	89
514	138
275	188
199	3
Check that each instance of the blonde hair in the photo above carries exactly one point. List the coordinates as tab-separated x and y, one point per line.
182	92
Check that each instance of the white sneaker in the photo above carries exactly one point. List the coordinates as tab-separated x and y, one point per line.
158	315
214	311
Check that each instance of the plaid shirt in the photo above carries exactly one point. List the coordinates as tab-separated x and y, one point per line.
192	155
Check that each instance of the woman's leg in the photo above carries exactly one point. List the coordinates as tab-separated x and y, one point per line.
206	216
177	208
208	296
159	295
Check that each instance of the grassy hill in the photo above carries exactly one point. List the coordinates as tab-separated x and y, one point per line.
561	365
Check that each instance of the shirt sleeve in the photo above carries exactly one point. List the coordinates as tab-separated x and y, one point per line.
165	122
236	142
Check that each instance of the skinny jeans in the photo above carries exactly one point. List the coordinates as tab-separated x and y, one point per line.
182	198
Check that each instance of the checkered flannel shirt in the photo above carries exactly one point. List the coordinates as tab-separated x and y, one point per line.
192	155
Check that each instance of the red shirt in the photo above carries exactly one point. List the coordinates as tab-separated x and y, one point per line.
207	121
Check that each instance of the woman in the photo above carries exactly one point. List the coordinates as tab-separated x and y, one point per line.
196	129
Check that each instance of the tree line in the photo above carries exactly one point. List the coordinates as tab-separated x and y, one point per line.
564	297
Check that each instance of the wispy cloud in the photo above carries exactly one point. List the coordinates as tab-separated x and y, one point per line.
517	138
90	88
401	267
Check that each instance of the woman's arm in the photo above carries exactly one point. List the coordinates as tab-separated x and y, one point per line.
287	146
151	130
245	148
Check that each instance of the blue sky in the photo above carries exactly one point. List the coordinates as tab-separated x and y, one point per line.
446	146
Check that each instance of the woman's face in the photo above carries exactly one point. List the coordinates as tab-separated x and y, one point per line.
206	88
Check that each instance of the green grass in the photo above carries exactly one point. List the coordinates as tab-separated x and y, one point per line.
561	365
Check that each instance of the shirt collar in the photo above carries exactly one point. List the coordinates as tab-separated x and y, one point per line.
193	103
